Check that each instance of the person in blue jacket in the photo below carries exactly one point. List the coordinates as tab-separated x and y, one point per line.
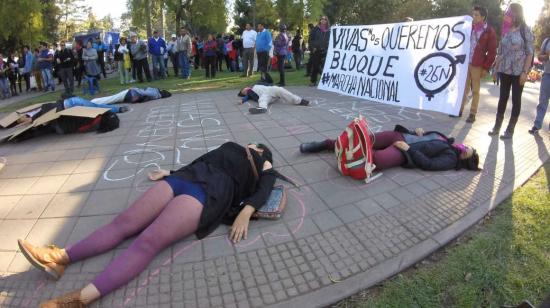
157	49
264	42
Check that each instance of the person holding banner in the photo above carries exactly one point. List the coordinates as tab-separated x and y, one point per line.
319	39
513	63
483	45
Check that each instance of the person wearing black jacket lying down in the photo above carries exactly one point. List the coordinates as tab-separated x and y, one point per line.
220	186
431	150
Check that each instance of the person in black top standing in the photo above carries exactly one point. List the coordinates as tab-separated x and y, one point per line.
12	74
64	59
297	49
318	46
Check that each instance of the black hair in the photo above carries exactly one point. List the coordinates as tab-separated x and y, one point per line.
517	9
165	93
266	154
470	163
240	94
482	11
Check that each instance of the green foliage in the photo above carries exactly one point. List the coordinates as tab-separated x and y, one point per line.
71	16
264	11
207	16
503	263
542	28
26	22
416	9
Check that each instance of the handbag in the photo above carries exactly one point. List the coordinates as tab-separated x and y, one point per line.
274	206
275	203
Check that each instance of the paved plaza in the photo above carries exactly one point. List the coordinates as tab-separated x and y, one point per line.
336	237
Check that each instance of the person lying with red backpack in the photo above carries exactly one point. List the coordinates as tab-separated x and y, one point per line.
431	150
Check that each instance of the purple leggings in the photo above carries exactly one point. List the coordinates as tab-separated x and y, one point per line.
161	219
385	154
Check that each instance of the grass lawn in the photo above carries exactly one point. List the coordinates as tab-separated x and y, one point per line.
224	80
504	260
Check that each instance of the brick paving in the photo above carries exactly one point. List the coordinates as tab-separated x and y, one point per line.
336	237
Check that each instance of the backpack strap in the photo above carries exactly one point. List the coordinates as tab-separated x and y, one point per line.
252	164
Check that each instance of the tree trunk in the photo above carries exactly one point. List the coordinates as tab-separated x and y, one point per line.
148	18
162	20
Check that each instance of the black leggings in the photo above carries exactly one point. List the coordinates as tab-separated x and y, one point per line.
507	82
317	64
210	66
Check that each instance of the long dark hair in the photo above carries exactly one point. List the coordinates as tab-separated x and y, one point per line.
470	163
268	155
519	19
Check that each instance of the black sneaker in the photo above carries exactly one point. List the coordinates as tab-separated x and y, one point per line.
533	130
304	102
471	118
313	147
123	109
257	110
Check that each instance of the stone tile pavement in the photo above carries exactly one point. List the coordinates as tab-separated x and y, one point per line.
336	237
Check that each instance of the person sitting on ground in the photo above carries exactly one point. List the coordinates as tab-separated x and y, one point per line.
65	102
221	186
266	95
431	150
133	95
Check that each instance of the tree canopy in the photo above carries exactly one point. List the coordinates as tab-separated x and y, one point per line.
31	21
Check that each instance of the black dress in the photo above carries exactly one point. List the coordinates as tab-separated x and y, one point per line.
227	178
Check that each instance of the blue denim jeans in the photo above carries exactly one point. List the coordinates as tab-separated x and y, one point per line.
160	70
184	64
4	87
544	96
79	101
152	93
47	77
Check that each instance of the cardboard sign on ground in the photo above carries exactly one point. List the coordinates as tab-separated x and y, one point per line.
79	111
12	117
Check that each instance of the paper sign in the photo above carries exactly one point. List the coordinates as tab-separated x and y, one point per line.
421	64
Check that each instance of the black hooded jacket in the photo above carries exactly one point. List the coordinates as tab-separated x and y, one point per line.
432	155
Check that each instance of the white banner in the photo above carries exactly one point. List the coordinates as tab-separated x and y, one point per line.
420	64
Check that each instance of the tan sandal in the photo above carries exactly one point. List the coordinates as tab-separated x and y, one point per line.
49	259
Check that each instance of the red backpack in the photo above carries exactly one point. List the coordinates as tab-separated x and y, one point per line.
353	151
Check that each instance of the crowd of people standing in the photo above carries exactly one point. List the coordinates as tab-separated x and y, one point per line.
253	49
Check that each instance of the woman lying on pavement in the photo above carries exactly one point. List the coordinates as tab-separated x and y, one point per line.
401	147
220	186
